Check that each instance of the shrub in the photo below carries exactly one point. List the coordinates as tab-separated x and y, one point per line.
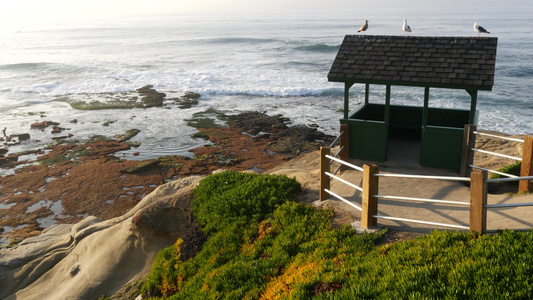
294	253
229	196
513	169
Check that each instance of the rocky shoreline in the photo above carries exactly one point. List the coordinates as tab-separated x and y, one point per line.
71	180
112	215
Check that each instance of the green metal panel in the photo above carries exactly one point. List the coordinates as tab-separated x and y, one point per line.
441	147
368	139
448	117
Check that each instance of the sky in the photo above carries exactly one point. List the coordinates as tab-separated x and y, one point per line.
15	12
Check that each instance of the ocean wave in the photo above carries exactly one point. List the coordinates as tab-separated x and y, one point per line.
320	47
274	92
516	71
24	66
235	40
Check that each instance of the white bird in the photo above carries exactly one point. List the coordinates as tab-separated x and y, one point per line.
364	27
479	29
406	27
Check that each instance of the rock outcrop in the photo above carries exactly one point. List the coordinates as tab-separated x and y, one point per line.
93	257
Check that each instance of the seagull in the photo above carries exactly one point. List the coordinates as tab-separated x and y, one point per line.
364	27
406	27
479	29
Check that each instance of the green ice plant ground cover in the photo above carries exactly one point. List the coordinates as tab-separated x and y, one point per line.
263	245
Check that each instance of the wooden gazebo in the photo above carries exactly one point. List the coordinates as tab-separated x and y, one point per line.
430	62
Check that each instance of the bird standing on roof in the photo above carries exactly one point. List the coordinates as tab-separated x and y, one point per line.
406	27
479	29
364	27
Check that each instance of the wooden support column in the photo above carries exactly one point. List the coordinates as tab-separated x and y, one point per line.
345	145
324	167
370	189
478	200
527	161
469	142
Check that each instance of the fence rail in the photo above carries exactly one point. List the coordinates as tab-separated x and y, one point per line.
495	172
497	154
508	205
477	178
526	160
344	200
421	222
345	163
423	177
345	182
498	136
422	200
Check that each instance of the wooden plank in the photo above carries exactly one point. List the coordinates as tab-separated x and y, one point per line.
527	161
369	202
324	167
478	200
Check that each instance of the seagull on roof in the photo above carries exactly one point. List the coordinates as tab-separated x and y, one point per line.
406	27
364	27
479	29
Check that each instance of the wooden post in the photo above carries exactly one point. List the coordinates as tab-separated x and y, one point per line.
527	161
324	167
370	189
469	142
345	142
478	200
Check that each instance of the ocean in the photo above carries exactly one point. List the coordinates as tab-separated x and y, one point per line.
276	64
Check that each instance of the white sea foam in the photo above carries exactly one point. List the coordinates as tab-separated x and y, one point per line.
275	64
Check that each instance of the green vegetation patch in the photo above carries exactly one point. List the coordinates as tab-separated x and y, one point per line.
513	169
109	122
187	100
73	154
230	196
143	166
211	118
126	136
97	105
260	250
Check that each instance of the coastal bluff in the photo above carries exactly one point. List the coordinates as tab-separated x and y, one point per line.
93	257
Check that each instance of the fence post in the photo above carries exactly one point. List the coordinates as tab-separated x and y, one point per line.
324	167
469	142
370	189
345	142
526	170
478	200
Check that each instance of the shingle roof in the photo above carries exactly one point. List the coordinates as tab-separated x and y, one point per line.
447	62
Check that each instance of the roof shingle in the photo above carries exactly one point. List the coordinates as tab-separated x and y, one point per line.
446	62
